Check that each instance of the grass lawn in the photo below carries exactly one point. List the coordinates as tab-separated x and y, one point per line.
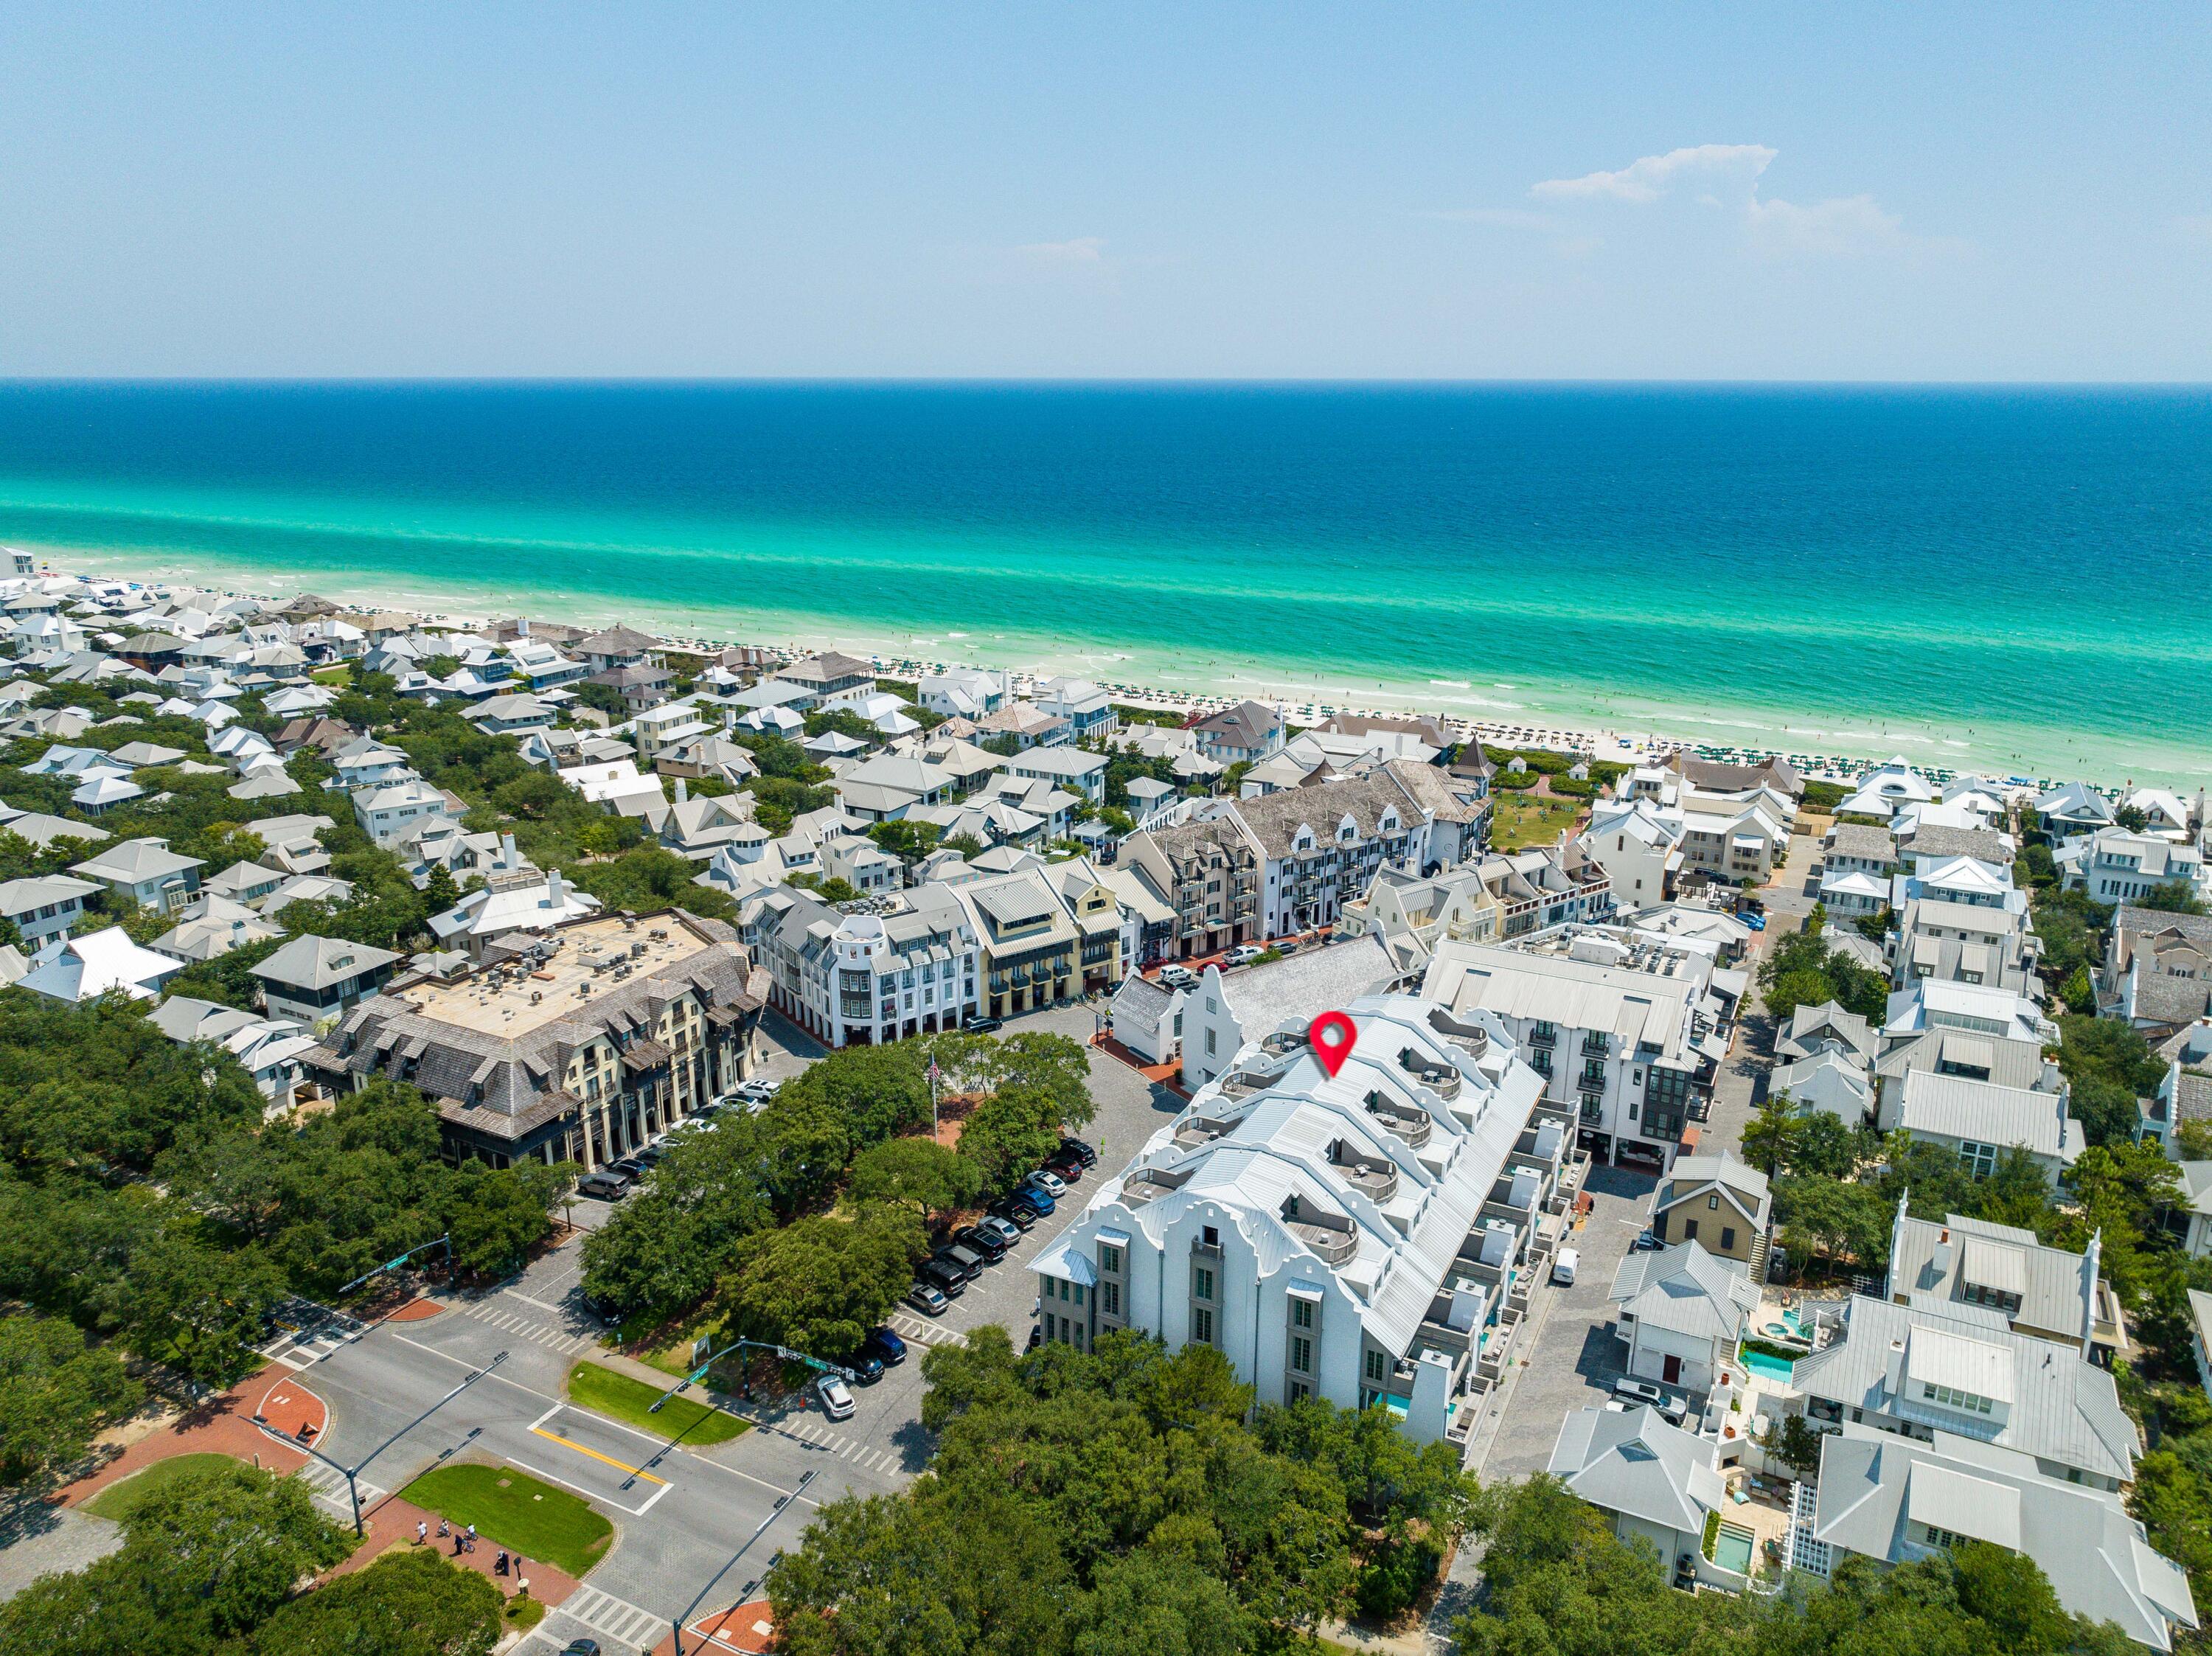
515	1510
1521	821
115	1501
601	1388
333	675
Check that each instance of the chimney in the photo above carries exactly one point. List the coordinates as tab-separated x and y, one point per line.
1943	1257
729	720
556	893
508	856
1894	1373
682	792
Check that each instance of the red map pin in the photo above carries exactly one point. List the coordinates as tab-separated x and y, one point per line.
1333	1035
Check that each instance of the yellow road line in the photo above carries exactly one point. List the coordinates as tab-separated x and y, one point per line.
619	1466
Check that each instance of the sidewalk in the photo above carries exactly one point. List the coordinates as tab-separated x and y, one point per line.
222	1424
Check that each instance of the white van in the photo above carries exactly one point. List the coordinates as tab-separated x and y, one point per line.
1563	1267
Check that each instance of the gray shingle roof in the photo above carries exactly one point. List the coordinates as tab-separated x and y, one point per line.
1687	1290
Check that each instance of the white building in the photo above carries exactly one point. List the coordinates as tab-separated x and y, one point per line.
1638	843
1681	1312
866	978
1625	1035
1345	1237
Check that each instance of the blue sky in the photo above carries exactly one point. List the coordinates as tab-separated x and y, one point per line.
1855	192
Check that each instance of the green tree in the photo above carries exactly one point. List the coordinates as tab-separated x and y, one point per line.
406	1604
1771	1136
57	1395
820	1283
919	1172
496	1215
1009	1133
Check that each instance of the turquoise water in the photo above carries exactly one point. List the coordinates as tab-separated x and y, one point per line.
1732	1549
1759	1363
2009	580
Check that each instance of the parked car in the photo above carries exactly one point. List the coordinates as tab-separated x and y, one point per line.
976	1239
603	1185
580	1647
1020	1214
836	1398
1082	1151
866	1369
948	1280
1037	1337
984	1026
1647	1242
757	1088
1285	946
966	1261
1563	1266
1756	922
631	1168
1050	1182
1002	1228
1069	1169
1244	954
1670	1407
1178	977
885	1347
1037	1198
651	1154
927	1300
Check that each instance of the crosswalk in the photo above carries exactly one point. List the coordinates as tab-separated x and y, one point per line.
493	1314
614	1619
328	1486
845	1449
306	1332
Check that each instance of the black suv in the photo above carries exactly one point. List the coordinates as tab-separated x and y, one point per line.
1076	1147
976	1240
968	1263
949	1280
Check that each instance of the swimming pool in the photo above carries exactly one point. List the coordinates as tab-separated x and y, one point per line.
1769	1368
1732	1549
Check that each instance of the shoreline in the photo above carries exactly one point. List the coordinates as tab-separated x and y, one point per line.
1598	741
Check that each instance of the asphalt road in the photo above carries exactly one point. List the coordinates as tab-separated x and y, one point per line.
679	1510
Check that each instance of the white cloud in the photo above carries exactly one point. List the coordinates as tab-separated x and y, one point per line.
1081	249
1725	177
1648	179
1842	224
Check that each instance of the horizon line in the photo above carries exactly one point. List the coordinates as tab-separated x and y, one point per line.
1134	381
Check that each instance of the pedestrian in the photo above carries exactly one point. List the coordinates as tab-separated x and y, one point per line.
422	1531
444	1529
458	1539
498	1564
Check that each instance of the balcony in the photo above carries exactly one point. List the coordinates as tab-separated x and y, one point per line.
1242	1083
1543	1034
1375	1179
1409	1122
1595	1044
1331	1236
1149	1184
1443	1080
1194	1131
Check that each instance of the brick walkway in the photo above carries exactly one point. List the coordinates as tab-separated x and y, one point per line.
222	1425
744	1628
391	1524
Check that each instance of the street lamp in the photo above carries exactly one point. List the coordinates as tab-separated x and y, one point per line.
352	1474
746	1592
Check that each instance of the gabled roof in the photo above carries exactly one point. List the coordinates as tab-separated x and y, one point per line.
1687	1290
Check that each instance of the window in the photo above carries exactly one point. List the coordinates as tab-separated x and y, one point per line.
1201	1325
1047	1326
1079	1293
1301	1354
1063	1287
1301	1314
1378	1366
1109	1258
1689	1230
1950	1397
1980	1160
1938	1537
1297	1391
1712	1201
1728	1240
1109	1298
1210	1236
1202	1283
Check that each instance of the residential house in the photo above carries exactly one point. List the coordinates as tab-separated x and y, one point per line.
1638	844
641	687
616	786
1883	790
1719	1203
2050	1293
964	692
1937	1366
825	674
511	715
510	909
214	926
1827	1027
1656	1483
2073	808
1898	1500
1025	725
389	811
1319	847
1980	1120
1065	768
146	872
313	979
1412	913
1086	707
271	1049
1681	1312
45	907
1243	735
1827	1081
366	763
616	647
2157	970
82	968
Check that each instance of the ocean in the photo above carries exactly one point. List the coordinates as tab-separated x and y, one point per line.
2006	579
